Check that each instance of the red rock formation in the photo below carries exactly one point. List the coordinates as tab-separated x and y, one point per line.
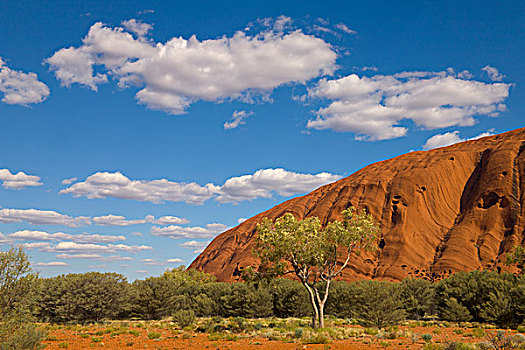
455	208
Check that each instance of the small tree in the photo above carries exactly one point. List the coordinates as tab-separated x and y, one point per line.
304	248
17	288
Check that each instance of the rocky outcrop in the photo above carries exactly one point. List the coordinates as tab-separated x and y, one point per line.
455	208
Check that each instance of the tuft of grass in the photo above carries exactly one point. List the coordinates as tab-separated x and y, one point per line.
96	339
63	345
154	335
427	338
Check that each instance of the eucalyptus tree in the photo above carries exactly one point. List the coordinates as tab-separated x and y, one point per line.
313	253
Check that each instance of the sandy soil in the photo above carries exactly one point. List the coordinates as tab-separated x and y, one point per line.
86	338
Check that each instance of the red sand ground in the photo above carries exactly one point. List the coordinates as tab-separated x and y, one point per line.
72	339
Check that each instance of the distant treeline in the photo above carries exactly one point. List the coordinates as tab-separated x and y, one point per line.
91	297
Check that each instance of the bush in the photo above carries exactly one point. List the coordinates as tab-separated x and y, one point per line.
154	335
17	288
418	297
184	318
379	304
426	338
20	335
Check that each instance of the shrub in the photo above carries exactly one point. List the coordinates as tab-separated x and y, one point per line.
184	318
298	333
154	335
426	338
379	304
418	297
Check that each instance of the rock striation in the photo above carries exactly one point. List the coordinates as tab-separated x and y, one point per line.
456	208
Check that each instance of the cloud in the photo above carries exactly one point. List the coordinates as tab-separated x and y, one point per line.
241	220
344	28
493	73
175	261
27	235
263	183
138	27
4	239
198	247
21	88
98	257
37	245
19	180
173	75
170	220
442	140
373	107
238	118
151	262
116	220
450	138
104	184
69	181
88	248
52	264
369	68
176	232
141	271
41	217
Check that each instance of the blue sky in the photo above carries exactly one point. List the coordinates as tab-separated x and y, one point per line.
179	138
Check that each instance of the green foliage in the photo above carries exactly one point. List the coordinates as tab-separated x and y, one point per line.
379	304
418	297
452	310
17	287
426	337
17	284
311	252
517	257
87	297
184	318
154	335
481	296
290	298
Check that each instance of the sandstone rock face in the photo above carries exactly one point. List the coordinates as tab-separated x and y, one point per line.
451	209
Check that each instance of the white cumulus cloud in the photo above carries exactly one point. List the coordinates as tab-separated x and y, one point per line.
52	264
198	247
21	88
264	182
69	181
175	261
41	217
28	235
176	232
105	184
170	220
116	220
261	184
373	107
493	73
450	138
19	180
174	74
238	118
138	27
88	248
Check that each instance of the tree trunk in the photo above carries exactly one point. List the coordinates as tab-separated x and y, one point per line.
321	315
315	313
